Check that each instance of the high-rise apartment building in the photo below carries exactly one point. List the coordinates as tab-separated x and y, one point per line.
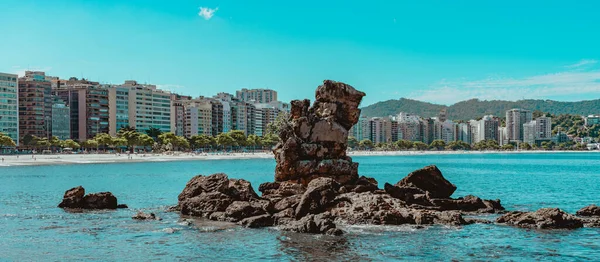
515	118
148	107
265	114
409	127
35	105
538	130
9	106
118	108
362	129
178	113
487	129
381	130
89	105
198	117
256	95
427	130
463	133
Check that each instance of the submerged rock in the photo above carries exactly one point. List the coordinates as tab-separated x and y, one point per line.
144	216
545	218
76	198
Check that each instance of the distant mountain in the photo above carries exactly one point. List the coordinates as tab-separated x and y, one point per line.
475	108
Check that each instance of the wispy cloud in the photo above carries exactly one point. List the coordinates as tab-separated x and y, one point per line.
207	13
568	83
21	71
583	62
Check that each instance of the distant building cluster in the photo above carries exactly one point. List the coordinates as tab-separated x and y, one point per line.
46	106
519	127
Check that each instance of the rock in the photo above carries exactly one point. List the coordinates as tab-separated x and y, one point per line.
468	204
408	194
313	224
589	211
318	196
287	202
199	184
143	216
364	184
205	204
73	198
265	220
239	210
76	198
102	200
241	189
429	179
314	142
371	208
281	189
545	218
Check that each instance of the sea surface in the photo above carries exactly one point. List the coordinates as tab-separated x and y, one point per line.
32	228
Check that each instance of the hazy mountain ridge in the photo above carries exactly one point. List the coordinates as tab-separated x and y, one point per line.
475	108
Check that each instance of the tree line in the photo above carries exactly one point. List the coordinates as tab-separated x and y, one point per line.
439	145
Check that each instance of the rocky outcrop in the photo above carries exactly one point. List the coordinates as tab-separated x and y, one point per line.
589	211
317	185
430	180
545	218
75	198
314	143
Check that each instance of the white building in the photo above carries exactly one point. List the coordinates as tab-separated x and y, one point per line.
409	127
515	118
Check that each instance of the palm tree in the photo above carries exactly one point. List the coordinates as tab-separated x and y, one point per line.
154	132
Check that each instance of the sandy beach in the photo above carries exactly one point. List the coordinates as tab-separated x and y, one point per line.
66	159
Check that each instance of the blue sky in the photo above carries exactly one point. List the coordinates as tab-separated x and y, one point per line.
436	51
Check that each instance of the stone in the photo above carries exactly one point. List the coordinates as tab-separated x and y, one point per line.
545	218
265	220
102	200
314	142
281	189
319	195
468	203
122	206
205	204
73	198
199	184
313	224
429	179
241	189
589	211
239	210
144	216
408	194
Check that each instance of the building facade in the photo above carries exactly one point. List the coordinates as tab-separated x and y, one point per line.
61	120
515	118
9	106
256	95
409	127
35	105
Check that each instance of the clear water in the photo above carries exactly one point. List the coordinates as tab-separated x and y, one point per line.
32	228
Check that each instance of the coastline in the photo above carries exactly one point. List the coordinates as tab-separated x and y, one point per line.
70	159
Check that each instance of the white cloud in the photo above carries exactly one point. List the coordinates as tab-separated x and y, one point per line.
583	62
207	13
568	83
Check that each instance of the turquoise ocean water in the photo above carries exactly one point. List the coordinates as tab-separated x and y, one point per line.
32	228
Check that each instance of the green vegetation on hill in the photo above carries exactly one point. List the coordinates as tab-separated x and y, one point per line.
475	108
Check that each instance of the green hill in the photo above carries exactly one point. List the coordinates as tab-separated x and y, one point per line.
475	108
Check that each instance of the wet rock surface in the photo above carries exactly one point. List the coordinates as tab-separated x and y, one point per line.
75	198
545	218
145	216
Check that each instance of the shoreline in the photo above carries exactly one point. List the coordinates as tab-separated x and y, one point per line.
72	159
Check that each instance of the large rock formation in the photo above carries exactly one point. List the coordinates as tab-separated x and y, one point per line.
75	198
315	141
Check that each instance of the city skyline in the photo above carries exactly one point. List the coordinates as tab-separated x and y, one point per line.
451	52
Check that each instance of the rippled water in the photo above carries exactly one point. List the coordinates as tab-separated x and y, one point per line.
32	228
